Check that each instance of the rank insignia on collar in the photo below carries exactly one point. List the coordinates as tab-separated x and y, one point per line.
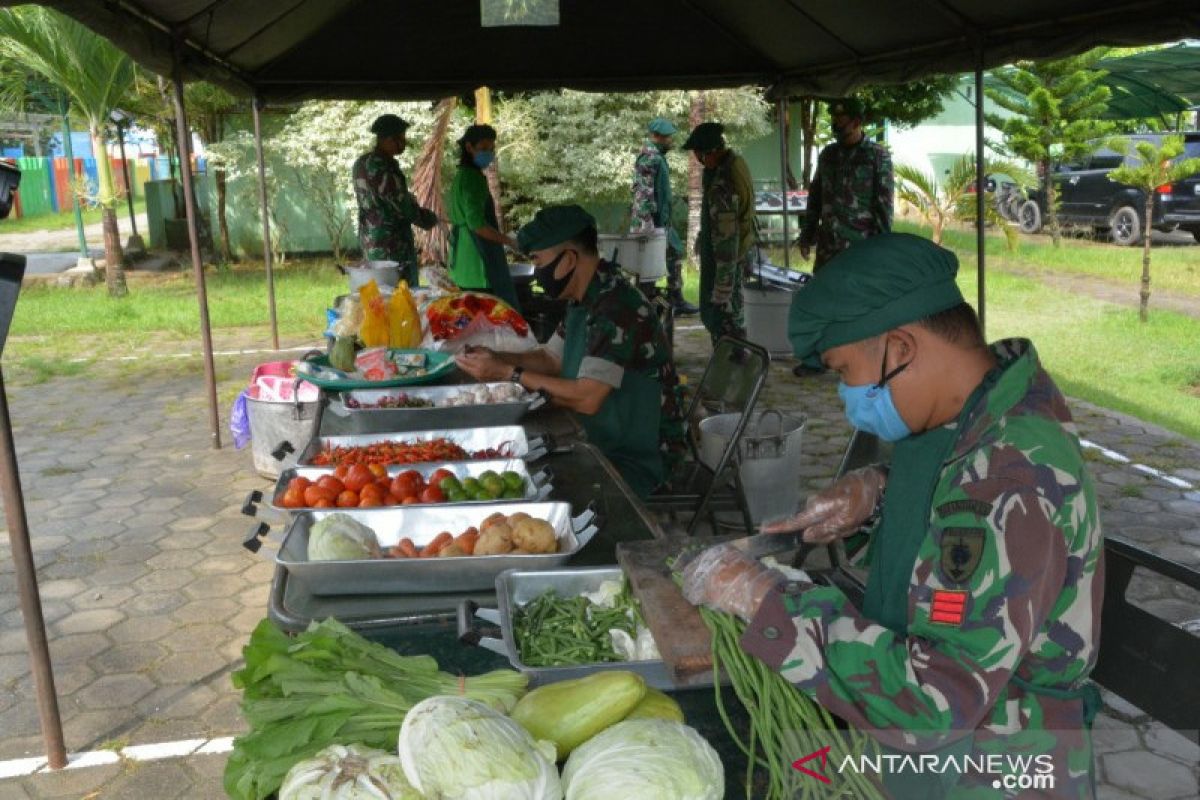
962	549
949	606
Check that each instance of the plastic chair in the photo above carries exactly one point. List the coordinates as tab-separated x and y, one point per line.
731	384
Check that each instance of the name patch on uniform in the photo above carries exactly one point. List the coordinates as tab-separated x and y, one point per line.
962	549
980	508
949	606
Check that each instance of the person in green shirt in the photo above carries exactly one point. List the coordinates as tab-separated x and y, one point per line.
609	362
477	261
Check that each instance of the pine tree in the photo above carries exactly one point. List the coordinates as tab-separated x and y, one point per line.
1056	107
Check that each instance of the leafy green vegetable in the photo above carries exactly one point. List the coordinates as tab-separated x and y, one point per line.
645	758
330	686
352	772
340	537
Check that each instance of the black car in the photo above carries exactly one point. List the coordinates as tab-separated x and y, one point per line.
1087	196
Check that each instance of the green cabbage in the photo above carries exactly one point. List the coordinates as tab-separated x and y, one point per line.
454	748
650	759
351	772
340	537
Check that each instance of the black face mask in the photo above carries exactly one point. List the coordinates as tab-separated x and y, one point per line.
552	286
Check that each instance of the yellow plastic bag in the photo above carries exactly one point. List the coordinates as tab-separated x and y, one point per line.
404	322
374	331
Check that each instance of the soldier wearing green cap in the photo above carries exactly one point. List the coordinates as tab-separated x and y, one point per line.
726	230
386	209
652	205
981	619
609	362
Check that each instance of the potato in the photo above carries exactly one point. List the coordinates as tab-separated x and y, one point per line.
451	550
495	540
517	517
492	520
535	536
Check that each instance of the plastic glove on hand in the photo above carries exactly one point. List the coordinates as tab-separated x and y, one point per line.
838	510
726	579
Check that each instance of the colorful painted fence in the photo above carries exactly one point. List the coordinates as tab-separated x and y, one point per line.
46	182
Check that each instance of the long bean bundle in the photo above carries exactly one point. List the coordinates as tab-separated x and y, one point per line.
553	631
784	723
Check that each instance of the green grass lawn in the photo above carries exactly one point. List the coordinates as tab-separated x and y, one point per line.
1175	268
66	219
1096	351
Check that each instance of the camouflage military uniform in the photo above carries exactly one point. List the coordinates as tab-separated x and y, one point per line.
1004	599
613	336
652	206
850	198
386	213
725	240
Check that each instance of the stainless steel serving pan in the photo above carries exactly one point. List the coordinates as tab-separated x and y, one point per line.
537	485
516	588
422	524
441	415
471	439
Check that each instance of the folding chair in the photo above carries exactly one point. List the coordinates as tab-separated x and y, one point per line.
731	384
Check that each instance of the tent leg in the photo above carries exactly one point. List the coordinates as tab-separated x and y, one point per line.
980	195
189	205
27	588
268	256
782	105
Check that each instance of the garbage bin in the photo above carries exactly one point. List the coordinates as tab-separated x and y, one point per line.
769	457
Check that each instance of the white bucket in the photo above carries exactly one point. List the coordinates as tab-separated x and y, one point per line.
769	454
767	319
644	254
384	273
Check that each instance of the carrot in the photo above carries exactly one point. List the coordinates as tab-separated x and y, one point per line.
406	548
466	541
439	541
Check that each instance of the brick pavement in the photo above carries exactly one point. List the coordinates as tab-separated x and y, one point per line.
149	597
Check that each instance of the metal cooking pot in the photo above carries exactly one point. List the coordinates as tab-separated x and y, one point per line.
384	273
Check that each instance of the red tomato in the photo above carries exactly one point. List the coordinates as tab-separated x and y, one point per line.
357	477
390	499
347	499
440	475
292	499
433	494
406	483
369	501
377	470
299	484
340	471
408	501
324	502
331	483
314	493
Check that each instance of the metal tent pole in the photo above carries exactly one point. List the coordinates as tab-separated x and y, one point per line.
189	205
783	183
980	198
268	257
22	553
135	241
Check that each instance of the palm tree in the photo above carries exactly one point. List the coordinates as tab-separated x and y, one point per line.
97	78
953	197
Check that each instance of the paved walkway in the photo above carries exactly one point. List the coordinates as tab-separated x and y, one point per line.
149	596
67	239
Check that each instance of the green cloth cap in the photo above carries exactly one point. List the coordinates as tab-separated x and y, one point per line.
553	225
706	137
662	126
850	106
875	286
388	125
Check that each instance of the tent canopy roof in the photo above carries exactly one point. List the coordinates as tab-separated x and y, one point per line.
294	49
1164	81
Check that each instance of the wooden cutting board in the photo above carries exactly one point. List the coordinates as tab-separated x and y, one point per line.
681	636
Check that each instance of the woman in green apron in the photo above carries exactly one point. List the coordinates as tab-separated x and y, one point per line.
477	261
609	362
980	624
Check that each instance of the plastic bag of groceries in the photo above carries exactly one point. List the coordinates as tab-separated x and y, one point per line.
474	318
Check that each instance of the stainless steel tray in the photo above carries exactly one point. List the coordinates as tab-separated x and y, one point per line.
422	524
387	420
537	485
515	588
512	436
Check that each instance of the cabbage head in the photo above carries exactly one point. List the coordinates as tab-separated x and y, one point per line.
350	772
454	748
340	537
650	759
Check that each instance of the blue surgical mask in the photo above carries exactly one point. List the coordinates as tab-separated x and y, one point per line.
483	158
870	407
